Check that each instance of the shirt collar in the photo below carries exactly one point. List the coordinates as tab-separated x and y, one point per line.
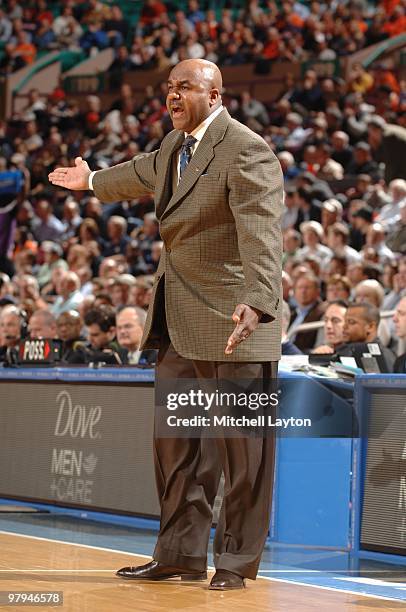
200	130
305	309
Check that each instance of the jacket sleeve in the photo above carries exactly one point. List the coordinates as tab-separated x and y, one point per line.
128	180
255	183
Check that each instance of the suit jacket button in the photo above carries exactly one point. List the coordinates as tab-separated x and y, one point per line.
168	250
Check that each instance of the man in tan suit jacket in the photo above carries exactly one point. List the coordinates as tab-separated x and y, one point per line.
215	313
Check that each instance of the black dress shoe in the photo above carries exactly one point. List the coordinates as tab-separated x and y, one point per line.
223	580
158	571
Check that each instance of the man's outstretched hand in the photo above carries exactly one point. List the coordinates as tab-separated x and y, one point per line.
76	177
246	319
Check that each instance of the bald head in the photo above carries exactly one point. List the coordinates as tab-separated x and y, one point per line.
194	92
204	69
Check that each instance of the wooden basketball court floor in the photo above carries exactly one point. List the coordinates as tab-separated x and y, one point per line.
79	558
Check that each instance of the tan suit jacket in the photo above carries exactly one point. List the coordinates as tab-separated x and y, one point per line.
222	239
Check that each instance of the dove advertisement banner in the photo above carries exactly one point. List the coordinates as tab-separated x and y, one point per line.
67	444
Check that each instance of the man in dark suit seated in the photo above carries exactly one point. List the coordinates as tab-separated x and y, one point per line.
288	347
399	319
360	336
309	308
11	328
130	322
69	327
101	345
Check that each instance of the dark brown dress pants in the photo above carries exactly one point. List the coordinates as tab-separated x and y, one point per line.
188	472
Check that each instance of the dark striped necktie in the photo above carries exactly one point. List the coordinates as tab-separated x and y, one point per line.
186	153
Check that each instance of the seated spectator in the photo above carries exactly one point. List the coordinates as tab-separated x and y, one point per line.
338	288
399	287
94	38
5	285
109	268
69	296
102	299
337	240
390	214
42	324
116	26
307	296
329	170
119	289
28	289
334	317
53	258
45	226
288	165
341	151
309	206
287	286
45	39
146	234
359	79
309	94
11	330
135	260
50	290
71	219
117	236
89	301
6	27
362	220
297	134
292	241
388	143
331	212
399	319
85	276
370	291
254	112
78	256
101	345
94	210
24	240
375	238
313	235
141	292
151	12
288	348
361	327
130	322
396	240
24	49
314	265
69	326
67	29
336	266
156	251
291	210
363	162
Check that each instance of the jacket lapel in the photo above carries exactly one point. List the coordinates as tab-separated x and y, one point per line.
200	160
163	191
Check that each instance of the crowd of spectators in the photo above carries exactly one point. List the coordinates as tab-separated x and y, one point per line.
341	145
163	34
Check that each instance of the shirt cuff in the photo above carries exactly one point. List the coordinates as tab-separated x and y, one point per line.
91	175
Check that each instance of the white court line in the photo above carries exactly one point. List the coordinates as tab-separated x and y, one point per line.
332	571
125	552
328	573
54	571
